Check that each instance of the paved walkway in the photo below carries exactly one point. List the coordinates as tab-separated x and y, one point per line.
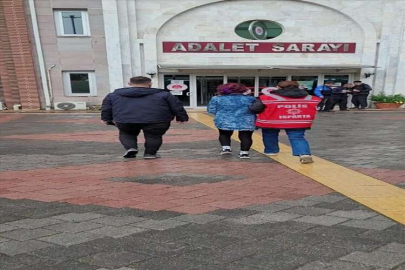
68	201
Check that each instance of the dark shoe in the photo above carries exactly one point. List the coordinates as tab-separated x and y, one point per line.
343	110
355	108
244	156
226	152
148	156
130	153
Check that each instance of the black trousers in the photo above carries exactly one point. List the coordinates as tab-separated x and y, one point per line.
360	101
153	133
244	136
325	103
338	99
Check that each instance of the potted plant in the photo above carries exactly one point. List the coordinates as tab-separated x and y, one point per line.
388	102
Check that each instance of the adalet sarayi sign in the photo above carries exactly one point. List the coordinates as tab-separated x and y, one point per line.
262	47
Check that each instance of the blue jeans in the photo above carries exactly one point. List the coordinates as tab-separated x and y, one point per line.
299	144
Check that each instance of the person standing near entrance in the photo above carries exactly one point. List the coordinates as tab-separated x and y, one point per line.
324	92
360	92
289	108
231	110
339	96
140	107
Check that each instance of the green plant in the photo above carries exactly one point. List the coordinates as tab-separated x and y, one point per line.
383	98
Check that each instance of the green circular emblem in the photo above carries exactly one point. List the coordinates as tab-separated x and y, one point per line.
258	30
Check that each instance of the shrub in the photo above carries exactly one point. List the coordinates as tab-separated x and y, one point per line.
383	98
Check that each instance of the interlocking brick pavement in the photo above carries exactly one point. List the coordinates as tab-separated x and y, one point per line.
70	202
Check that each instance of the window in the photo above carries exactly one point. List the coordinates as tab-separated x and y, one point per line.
79	83
72	23
249	82
265	82
309	82
259	30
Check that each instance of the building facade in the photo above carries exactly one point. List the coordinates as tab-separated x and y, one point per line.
87	48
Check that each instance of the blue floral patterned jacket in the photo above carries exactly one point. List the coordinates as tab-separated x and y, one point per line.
232	112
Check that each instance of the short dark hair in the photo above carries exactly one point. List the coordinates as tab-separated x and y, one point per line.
140	80
329	82
357	81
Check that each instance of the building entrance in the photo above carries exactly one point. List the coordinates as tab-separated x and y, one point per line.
196	90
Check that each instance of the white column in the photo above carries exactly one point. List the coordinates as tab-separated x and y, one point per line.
113	45
133	34
123	22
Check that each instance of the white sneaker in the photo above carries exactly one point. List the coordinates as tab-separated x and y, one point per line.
271	154
306	159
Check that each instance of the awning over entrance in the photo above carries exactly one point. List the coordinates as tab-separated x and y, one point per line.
269	67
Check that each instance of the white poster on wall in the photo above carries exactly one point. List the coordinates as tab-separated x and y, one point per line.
177	87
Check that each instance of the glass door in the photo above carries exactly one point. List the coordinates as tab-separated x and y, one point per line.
179	85
249	82
206	88
308	82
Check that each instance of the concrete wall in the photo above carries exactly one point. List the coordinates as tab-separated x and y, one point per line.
74	53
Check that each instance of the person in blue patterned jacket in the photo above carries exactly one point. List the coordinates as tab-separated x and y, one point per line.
231	110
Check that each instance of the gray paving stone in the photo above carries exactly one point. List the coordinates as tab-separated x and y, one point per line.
279	261
160	225
265	218
321	220
308	211
74	227
20	261
33	223
326	198
13	248
117	220
69	239
354	214
209	241
76	217
335	265
268	207
117	232
61	253
394	247
114	259
125	268
25	234
199	219
376	258
370	225
234	212
3	239
380	218
301	202
314	266
6	228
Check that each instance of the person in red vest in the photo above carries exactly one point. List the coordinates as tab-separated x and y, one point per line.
289	108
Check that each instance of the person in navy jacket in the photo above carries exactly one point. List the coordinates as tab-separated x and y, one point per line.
140	107
324	92
339	96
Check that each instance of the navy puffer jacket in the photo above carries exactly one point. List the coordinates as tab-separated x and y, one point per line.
142	105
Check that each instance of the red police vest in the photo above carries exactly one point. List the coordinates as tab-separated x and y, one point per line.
284	112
